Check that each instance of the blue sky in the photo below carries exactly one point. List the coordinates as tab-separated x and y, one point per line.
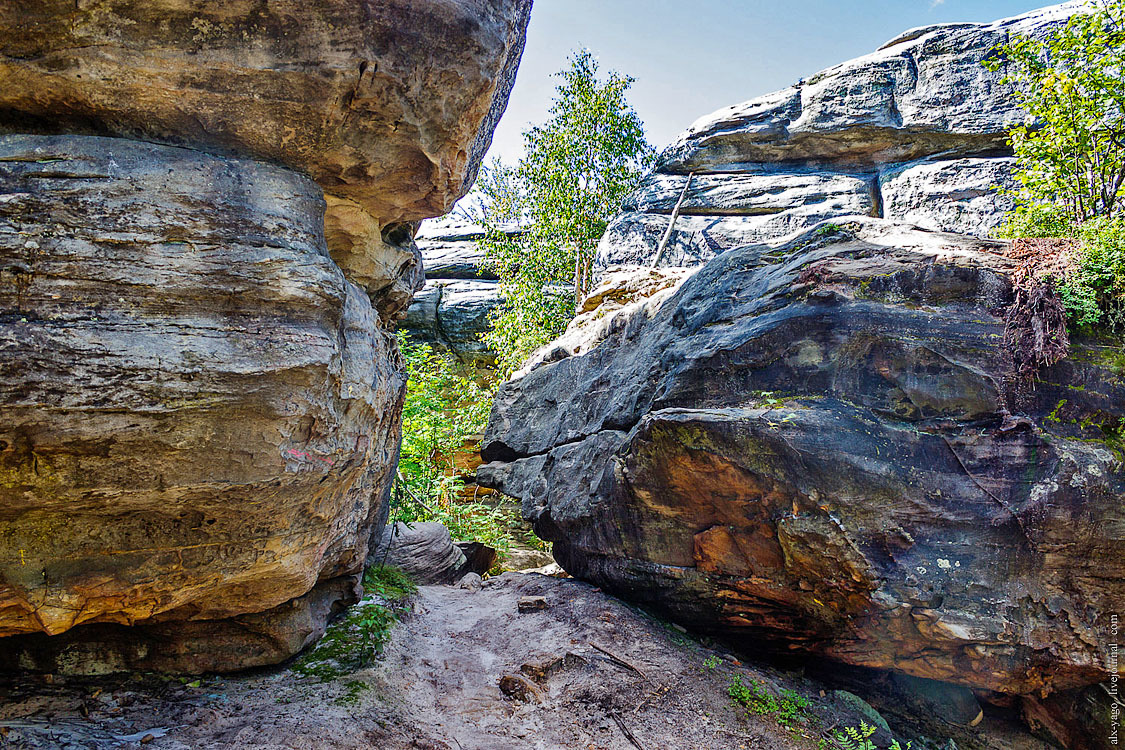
691	57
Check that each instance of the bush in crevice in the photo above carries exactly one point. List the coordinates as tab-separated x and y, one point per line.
445	411
1070	163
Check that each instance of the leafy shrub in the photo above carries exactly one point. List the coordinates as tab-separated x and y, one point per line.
1071	154
1094	292
1036	220
446	408
1071	83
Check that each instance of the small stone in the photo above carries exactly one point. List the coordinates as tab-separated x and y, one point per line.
518	688
470	582
531	603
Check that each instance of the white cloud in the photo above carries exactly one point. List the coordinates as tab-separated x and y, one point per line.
935	3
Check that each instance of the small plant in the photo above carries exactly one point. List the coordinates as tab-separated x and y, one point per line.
789	708
771	401
792	709
712	661
852	738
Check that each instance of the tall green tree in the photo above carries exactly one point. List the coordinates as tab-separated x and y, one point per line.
545	215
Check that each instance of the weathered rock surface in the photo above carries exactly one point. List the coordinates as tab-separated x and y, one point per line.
956	194
916	131
199	393
451	311
424	550
450	316
811	446
389	104
200	411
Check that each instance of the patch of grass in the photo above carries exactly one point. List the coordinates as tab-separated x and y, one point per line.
388	583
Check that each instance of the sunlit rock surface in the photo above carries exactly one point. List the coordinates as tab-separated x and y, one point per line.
206	237
916	131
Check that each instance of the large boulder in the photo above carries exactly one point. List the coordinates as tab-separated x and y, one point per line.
200	411
389	104
818	447
916	131
199	389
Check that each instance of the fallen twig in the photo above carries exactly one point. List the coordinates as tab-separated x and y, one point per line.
660	689
622	662
625	730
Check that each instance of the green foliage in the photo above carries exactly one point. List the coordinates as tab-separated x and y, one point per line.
388	583
1071	152
712	661
789	708
1094	292
852	738
545	215
354	640
445	409
1036	220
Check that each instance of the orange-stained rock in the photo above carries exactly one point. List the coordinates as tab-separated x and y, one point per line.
810	448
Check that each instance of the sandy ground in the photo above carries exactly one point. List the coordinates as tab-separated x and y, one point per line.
464	671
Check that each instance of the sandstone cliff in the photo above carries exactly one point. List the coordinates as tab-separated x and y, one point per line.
206	220
812	447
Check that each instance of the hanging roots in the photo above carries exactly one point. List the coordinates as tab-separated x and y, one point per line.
1035	334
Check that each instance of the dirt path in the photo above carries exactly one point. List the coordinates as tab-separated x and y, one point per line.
465	671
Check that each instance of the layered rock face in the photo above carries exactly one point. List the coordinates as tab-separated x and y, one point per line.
451	310
913	132
389	104
811	447
199	389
